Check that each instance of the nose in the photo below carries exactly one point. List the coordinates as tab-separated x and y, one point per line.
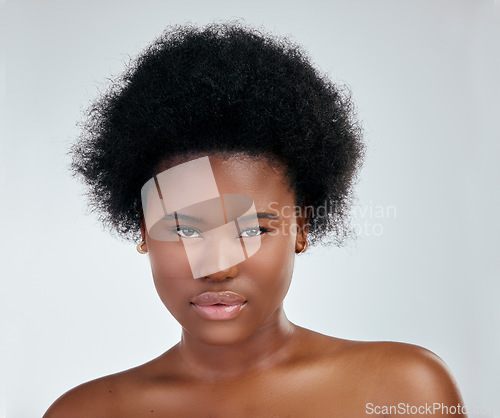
220	258
219	276
217	255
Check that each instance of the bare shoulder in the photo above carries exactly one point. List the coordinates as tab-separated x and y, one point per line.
88	399
389	374
107	396
413	370
96	398
404	376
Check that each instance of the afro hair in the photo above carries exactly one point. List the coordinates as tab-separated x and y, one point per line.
224	87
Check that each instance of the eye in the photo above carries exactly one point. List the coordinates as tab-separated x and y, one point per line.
253	232
187	231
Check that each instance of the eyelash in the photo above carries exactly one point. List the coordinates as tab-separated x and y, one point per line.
262	230
177	229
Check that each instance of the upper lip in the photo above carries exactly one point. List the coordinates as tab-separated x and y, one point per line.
225	297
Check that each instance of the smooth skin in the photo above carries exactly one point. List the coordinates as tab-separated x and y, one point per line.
259	364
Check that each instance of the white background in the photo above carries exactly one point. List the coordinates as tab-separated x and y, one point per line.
77	303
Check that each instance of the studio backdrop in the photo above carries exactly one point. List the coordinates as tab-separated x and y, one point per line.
77	303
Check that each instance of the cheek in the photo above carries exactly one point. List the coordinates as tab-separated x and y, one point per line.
272	269
168	259
171	272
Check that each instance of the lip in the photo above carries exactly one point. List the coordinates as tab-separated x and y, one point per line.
218	305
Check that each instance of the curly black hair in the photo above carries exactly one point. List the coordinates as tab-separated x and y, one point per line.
224	87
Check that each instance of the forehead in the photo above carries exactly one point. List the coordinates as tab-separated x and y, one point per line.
233	173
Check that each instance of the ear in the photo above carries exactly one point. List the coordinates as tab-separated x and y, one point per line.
143	230
302	229
143	234
143	222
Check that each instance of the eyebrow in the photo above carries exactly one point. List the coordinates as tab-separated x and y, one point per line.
260	215
176	215
250	216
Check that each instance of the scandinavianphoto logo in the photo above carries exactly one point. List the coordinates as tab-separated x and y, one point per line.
371	220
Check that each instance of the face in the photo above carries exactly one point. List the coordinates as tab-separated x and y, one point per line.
228	304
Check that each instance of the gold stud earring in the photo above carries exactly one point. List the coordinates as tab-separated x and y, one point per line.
303	250
139	247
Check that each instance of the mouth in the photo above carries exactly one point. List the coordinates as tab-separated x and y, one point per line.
219	305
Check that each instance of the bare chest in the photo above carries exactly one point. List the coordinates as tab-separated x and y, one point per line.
291	395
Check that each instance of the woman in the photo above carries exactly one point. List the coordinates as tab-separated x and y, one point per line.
215	151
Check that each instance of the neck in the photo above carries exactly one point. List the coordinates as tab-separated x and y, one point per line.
266	347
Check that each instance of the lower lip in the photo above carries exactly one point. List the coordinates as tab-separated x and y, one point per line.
219	312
